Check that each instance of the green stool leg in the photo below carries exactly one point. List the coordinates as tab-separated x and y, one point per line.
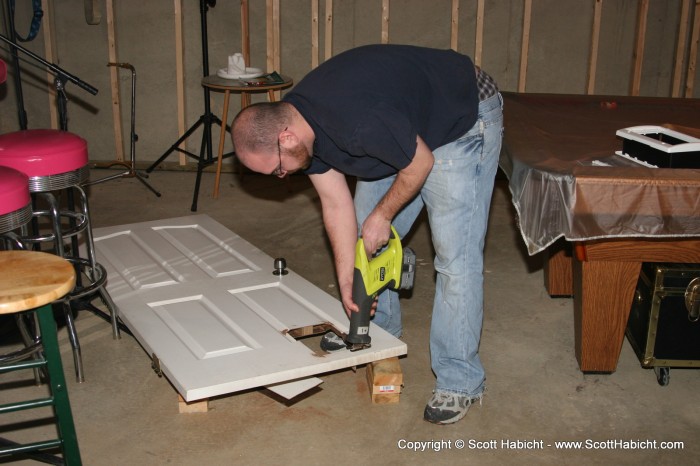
57	382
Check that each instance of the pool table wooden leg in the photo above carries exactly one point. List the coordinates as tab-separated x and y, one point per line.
603	293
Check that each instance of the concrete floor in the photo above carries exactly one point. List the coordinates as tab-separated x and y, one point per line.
126	414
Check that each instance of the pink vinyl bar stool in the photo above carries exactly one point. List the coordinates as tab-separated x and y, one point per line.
55	160
15	203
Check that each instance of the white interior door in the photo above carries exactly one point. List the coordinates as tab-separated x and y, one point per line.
207	305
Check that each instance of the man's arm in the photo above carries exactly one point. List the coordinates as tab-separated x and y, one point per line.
377	227
341	226
339	215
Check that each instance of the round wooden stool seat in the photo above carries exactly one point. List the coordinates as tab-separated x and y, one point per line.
32	279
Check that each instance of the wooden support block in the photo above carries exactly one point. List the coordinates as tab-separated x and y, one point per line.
385	379
200	406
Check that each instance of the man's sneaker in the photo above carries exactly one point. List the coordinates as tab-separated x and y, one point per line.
332	342
446	407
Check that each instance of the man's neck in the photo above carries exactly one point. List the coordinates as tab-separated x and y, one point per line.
304	131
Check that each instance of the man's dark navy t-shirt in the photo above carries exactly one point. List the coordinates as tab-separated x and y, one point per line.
367	105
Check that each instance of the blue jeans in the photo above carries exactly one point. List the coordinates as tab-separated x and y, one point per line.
457	195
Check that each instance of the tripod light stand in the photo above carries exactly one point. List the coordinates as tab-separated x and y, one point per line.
205	156
130	168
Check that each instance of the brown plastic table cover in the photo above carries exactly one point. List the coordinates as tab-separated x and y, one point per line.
566	181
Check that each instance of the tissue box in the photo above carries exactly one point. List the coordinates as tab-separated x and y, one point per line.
660	146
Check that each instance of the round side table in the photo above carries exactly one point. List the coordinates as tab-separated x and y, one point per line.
217	83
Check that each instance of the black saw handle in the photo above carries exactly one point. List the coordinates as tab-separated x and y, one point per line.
358	336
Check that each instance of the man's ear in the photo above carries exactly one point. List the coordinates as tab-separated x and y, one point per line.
288	139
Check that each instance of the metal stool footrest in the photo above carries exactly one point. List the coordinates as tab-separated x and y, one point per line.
18	449
19	355
78	225
96	273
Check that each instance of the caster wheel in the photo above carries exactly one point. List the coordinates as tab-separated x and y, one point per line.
663	374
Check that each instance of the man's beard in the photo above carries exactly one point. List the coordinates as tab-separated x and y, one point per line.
301	155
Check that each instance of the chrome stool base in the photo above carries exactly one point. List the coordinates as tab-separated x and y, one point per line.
73	226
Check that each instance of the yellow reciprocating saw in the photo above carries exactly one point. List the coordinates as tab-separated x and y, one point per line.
392	268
